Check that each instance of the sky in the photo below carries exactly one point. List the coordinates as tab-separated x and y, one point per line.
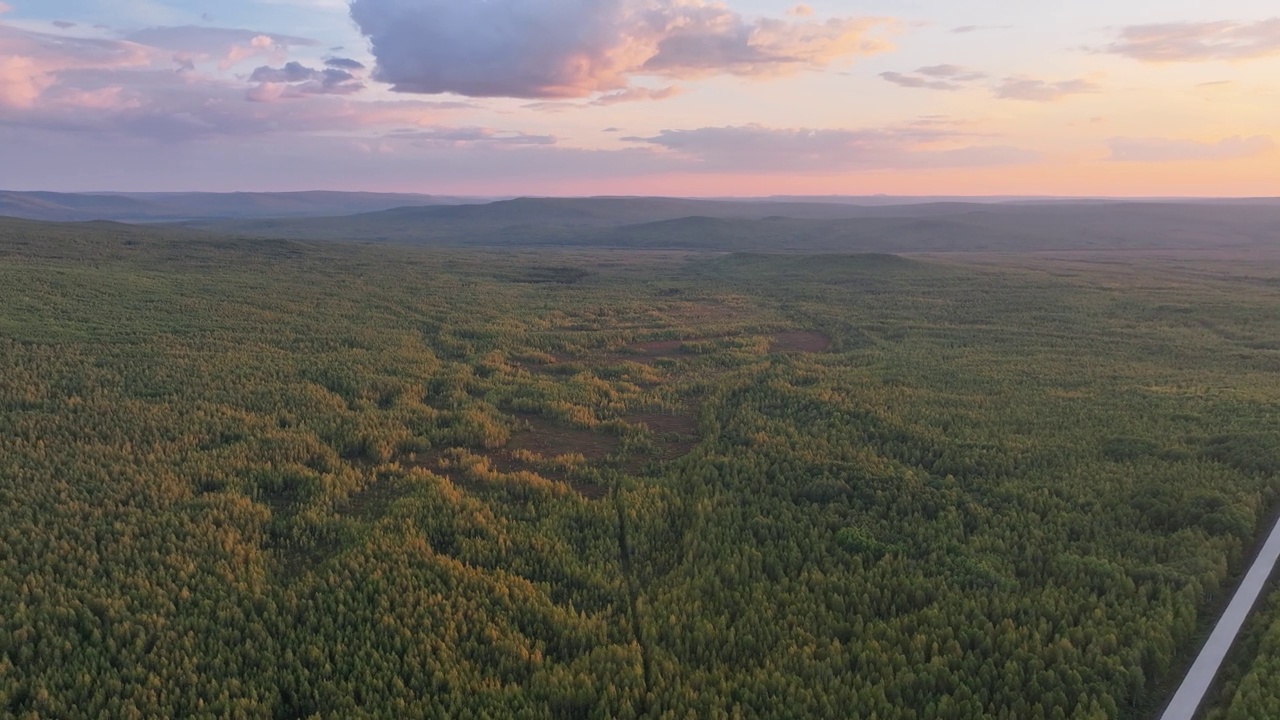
643	97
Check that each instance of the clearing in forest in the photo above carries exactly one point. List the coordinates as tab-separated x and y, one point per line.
550	438
800	341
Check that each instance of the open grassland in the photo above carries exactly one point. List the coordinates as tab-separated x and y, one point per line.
283	479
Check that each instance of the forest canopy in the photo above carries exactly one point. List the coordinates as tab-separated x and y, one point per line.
278	479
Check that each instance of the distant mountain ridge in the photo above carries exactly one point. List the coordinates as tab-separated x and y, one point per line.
173	207
683	224
665	223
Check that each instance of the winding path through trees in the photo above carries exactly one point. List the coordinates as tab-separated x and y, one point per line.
1195	685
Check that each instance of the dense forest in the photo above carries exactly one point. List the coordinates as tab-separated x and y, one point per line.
251	478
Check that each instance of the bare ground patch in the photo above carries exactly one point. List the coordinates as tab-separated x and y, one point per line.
675	435
374	501
800	341
649	352
550	438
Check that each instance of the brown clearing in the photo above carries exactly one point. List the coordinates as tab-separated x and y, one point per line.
802	341
676	435
660	347
374	501
505	462
661	423
647	353
550	438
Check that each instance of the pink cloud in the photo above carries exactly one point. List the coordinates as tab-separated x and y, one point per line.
636	94
34	61
517	48
112	98
259	46
5	7
22	81
125	87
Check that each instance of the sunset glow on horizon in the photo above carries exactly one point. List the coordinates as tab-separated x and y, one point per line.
642	97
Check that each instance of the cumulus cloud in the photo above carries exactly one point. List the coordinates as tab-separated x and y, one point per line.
1187	42
1150	150
1033	90
760	148
547	49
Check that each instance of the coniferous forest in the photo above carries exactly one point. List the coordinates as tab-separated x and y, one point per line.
276	479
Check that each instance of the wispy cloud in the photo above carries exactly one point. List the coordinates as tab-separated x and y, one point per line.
966	29
469	136
1190	42
342	63
631	94
295	80
1154	149
209	40
517	48
756	148
1034	90
950	78
935	77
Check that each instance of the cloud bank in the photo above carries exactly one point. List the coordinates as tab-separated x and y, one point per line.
548	49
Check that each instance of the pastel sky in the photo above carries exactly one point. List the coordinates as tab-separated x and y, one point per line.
671	97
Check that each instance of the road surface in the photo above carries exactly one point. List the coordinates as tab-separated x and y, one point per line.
1196	684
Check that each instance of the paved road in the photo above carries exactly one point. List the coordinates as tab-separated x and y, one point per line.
1191	693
